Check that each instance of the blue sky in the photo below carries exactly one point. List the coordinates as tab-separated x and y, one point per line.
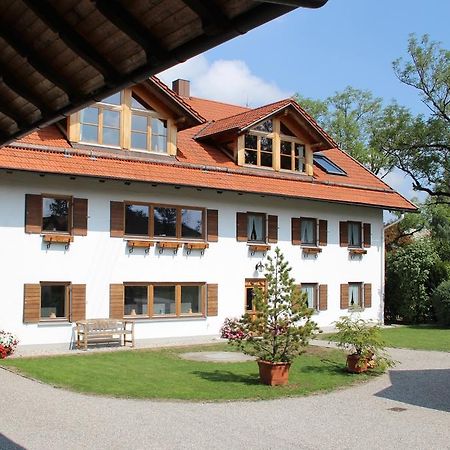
319	52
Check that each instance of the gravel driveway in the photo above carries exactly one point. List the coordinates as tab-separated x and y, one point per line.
407	408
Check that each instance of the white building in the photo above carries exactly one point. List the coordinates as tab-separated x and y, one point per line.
157	206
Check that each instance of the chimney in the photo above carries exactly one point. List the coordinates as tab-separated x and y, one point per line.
182	87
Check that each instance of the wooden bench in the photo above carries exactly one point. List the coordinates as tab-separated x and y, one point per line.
104	330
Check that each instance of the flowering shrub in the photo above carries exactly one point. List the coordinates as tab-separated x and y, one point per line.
232	330
8	343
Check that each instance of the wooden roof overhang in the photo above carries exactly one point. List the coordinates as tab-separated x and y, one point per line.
57	56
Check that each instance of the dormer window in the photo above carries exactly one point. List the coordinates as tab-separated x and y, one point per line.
124	120
272	144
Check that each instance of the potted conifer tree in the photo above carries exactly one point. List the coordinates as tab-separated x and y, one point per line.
281	326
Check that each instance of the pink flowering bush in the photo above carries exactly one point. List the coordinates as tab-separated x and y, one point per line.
232	330
8	343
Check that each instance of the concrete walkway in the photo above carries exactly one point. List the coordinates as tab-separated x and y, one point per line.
408	408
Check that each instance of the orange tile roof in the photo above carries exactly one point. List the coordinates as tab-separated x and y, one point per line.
50	136
212	110
175	173
200	164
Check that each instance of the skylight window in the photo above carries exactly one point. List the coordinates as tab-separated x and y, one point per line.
328	166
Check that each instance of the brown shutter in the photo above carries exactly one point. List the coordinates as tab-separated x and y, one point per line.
323	297
343	234
32	303
212	225
78	305
367	295
344	296
272	226
323	232
367	235
80	216
212	300
295	231
116	301
117	219
241	227
33	213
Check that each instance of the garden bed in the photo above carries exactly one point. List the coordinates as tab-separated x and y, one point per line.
162	374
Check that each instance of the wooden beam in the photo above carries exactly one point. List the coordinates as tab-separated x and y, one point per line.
16	84
24	49
7	111
75	41
133	28
212	17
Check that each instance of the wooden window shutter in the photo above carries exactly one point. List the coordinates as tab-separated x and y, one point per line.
367	295
212	225
295	231
78	302
32	303
117	219
323	297
116	301
212	300
323	232
343	234
367	235
241	227
80	216
272	229
33	213
344	296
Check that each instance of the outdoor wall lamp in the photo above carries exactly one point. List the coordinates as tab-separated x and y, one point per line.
259	267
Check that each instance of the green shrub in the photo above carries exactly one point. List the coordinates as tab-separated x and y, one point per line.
441	303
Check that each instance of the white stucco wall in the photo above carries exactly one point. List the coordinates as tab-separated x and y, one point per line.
98	260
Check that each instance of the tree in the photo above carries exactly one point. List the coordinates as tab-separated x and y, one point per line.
419	145
412	273
351	118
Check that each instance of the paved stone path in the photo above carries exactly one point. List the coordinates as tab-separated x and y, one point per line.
407	408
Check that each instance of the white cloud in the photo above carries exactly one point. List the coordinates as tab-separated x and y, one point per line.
402	183
229	81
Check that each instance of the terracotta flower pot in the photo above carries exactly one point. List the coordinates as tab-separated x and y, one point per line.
274	374
354	366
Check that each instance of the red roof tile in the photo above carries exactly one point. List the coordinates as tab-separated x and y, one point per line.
50	136
212	110
185	175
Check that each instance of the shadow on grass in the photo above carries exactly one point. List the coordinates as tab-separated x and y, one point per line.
225	376
329	366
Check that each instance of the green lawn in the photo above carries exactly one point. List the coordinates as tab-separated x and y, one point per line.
161	374
417	337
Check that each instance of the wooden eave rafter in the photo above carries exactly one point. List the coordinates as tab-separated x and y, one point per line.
142	48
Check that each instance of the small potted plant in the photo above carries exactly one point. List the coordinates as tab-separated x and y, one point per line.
363	339
8	343
280	328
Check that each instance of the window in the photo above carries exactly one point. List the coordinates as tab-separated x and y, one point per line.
148	132
136	300
310	289
54	301
355	295
259	150
308	231
159	300
256	227
168	222
327	165
136	220
251	284
100	124
56	214
354	234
